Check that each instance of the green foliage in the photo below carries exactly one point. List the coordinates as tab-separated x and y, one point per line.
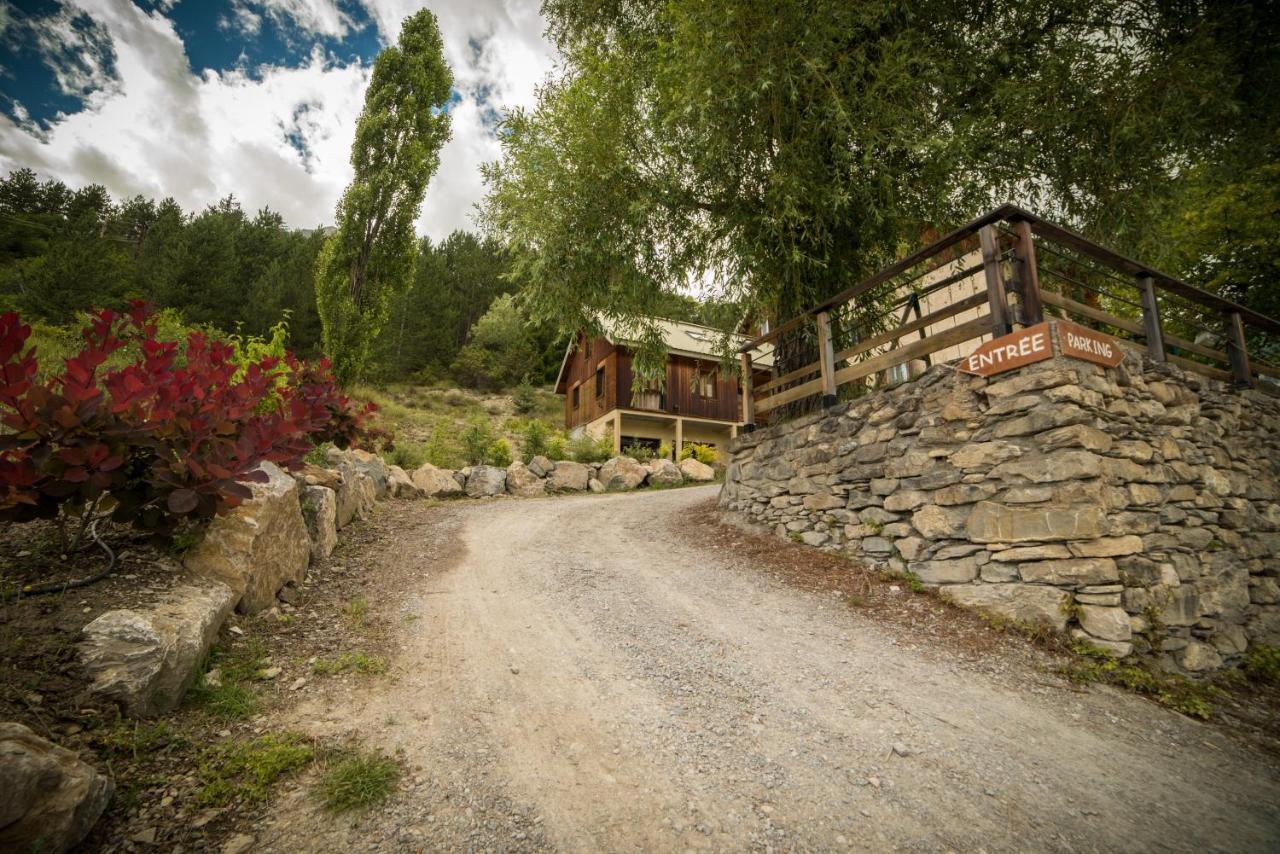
640	453
585	449
370	258
356	611
477	440
1177	692
558	446
442	451
246	770
525	397
224	691
535	439
499	349
664	451
704	454
498	454
358	781
785	150
1262	664
407	455
351	662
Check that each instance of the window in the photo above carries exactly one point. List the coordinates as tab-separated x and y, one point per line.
599	382
575	397
704	383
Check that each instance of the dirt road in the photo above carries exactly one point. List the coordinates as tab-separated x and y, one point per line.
579	674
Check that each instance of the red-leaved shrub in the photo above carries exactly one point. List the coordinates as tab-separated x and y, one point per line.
174	434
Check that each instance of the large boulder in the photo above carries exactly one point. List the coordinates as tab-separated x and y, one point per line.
399	484
695	470
1034	604
259	546
356	493
369	465
320	511
541	466
484	481
51	798
569	476
523	482
664	473
622	473
145	659
436	482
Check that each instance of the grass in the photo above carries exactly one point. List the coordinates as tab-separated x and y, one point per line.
358	781
351	662
1262	664
356	611
248	769
1179	693
224	690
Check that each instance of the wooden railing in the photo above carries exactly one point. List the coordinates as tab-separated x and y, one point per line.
1006	269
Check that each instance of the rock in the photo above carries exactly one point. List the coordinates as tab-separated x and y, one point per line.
1049	551
259	546
146	658
1111	624
984	455
814	538
1108	547
1050	468
934	522
523	482
435	482
316	476
51	798
1072	571
569	476
484	481
901	749
239	844
1075	436
995	523
541	466
1029	603
1117	649
370	465
667	473
399	484
694	470
621	473
347	493
954	571
595	486
320	512
1197	656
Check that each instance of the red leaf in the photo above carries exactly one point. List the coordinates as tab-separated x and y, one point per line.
182	501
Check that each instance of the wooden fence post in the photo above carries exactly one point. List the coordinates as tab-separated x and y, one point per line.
748	395
1238	350
826	358
1028	275
1151	318
996	296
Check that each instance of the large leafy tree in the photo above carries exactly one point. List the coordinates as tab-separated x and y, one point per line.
779	152
396	151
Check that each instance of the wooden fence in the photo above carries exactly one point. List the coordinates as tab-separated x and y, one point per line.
1006	269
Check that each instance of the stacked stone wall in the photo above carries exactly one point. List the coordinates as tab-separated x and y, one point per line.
1136	507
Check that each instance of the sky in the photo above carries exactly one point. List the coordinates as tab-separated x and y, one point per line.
198	99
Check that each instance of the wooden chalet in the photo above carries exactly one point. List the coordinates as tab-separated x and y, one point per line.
699	401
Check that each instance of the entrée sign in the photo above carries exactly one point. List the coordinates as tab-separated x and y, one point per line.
1009	351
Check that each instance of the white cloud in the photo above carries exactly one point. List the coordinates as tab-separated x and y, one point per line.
277	137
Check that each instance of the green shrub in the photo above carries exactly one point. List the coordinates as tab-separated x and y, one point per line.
534	440
1263	664
586	449
442	450
639	453
525	397
558	446
248	769
498	454
664	451
704	454
407	455
359	781
477	440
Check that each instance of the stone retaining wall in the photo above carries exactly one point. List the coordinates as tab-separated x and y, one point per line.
1136	507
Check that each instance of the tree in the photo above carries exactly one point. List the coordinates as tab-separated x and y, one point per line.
778	153
499	352
395	153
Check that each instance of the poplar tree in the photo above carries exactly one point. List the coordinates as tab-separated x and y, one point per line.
396	151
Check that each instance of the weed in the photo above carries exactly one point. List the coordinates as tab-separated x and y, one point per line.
137	738
223	690
406	455
795	537
1263	664
249	769
354	662
913	582
358	780
1183	695
356	610
1037	632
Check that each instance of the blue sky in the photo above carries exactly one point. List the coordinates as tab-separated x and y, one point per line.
197	99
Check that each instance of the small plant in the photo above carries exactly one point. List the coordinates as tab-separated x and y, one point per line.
795	537
534	440
406	455
1177	692
1262	664
913	582
558	446
358	781
351	662
356	611
477	440
638	452
224	690
248	769
498	454
442	451
704	454
525	397
587	449
664	451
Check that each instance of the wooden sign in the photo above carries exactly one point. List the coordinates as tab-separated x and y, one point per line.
1084	343
1009	351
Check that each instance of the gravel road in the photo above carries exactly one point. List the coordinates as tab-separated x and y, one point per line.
580	674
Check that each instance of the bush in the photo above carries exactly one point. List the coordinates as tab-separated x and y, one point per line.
585	449
534	440
477	440
558	446
639	453
1263	664
442	451
498	454
407	455
525	397
704	454
169	436
664	451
